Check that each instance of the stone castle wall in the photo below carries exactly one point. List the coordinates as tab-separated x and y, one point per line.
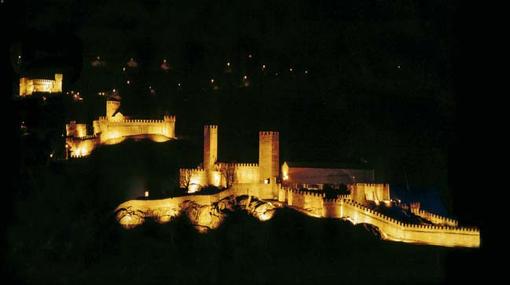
29	86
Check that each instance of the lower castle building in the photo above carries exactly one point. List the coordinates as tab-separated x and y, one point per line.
114	128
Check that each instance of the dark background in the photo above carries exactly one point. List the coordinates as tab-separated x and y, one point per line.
385	88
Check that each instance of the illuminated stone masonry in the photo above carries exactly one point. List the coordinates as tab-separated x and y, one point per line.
28	86
255	188
115	128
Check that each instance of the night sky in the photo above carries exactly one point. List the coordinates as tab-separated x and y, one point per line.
365	82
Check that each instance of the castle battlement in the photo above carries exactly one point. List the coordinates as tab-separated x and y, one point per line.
434	218
192	170
246	164
171	118
269	133
115	127
308	193
409	226
86	137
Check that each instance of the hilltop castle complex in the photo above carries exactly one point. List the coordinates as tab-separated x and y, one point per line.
260	188
320	191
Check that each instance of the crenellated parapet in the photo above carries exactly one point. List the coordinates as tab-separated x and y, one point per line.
269	133
363	192
392	229
433	218
115	128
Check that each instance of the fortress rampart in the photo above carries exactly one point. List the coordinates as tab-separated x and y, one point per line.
115	128
315	204
433	218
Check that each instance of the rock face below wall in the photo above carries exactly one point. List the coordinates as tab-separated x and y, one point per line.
203	216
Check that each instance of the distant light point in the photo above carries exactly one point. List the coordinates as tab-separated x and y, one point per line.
398	66
263	66
212	80
250	55
306	71
245	77
291	69
228	63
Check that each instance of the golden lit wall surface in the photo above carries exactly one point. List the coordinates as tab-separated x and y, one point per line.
28	86
115	128
269	154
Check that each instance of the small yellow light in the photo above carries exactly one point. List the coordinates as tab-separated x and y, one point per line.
146	194
128	82
250	56
228	63
212	80
291	69
245	77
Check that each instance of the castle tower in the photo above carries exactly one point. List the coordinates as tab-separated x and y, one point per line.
111	108
57	86
169	129
269	155
210	146
23	82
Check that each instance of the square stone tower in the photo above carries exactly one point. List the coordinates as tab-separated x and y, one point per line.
57	85
210	146
111	108
269	155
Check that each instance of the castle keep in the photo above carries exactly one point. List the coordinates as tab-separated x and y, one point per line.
262	176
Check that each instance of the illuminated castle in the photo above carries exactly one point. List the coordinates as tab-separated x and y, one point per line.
29	86
256	188
114	128
262	175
